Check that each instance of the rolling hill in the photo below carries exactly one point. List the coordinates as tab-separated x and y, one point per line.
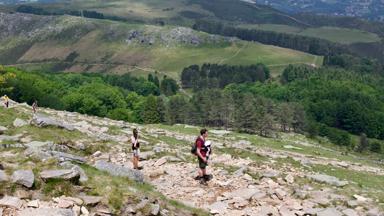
75	44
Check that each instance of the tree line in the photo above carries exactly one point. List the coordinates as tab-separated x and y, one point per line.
218	76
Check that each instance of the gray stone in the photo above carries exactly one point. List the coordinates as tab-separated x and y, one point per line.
91	200
23	177
240	171
11	202
14	138
3	129
46	212
160	162
155	209
3	176
350	212
65	174
117	170
146	155
67	157
329	212
270	174
218	207
328	180
19	123
45	121
245	193
292	147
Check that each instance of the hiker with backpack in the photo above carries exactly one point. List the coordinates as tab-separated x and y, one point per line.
202	150
135	149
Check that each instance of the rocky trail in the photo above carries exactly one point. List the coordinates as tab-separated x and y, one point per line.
250	176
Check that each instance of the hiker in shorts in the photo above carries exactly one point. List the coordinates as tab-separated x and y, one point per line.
6	101
202	152
135	149
34	106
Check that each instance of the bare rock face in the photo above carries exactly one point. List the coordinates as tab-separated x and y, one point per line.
23	177
3	176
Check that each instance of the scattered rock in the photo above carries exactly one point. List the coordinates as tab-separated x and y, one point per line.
84	211
218	207
76	210
350	212
91	200
270	174
97	154
117	170
155	209
68	174
22	194
156	173
11	202
23	177
360	199
3	129
146	155
46	212
328	180
329	212
289	179
160	162
245	193
63	203
19	123
33	204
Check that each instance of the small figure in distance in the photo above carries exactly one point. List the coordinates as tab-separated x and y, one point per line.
6	101
135	149
203	150
34	106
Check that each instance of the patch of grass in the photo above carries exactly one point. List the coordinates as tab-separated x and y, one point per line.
57	187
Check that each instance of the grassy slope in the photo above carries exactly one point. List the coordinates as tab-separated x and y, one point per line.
114	54
334	34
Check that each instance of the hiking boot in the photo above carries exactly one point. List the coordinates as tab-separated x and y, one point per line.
139	168
203	182
198	178
207	177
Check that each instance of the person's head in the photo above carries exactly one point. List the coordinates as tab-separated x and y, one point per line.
204	133
135	133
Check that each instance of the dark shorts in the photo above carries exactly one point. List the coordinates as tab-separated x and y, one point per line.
202	164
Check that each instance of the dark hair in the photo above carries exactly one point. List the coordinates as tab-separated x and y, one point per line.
135	132
203	131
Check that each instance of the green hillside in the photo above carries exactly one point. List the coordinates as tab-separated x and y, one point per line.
66	43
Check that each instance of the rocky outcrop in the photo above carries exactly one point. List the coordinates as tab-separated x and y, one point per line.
117	170
328	180
45	121
46	212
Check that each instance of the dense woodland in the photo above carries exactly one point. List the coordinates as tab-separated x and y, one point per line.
330	101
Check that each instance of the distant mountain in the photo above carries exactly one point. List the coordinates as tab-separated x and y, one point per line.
368	9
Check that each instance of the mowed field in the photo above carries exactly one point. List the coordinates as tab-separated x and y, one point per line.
334	34
107	47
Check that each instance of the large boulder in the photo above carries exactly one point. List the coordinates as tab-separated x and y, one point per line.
321	178
46	212
65	174
45	121
23	177
11	202
19	122
245	193
117	170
